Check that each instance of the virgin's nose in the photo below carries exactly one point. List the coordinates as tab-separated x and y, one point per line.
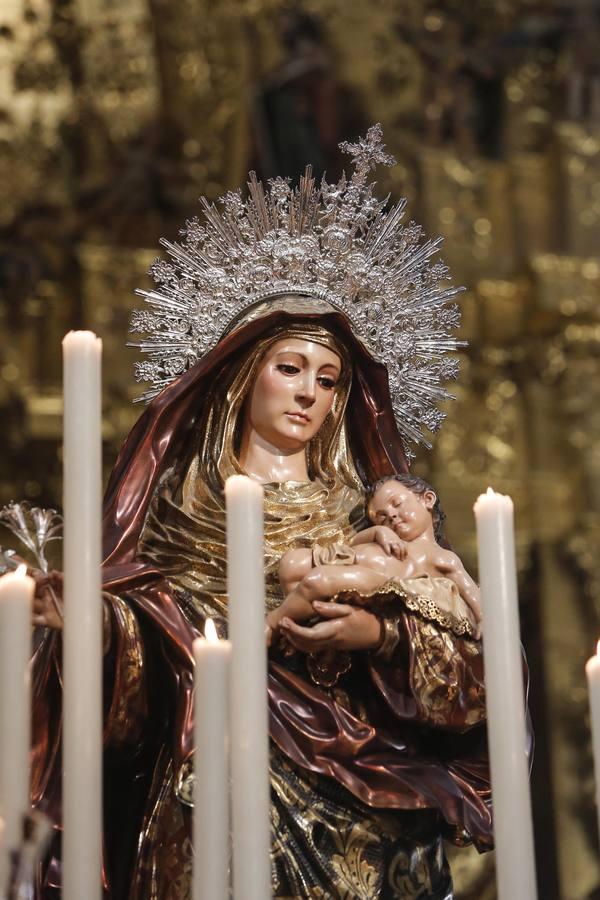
307	390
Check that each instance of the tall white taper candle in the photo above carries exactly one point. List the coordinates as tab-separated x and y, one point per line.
513	829
211	766
249	717
82	645
592	671
16	599
4	859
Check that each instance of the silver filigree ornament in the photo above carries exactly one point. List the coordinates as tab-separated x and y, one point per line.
35	528
335	243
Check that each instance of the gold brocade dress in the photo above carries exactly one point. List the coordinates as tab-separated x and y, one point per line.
326	843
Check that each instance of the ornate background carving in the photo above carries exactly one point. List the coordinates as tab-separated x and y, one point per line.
114	117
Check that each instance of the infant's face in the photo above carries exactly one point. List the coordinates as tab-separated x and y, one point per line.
395	505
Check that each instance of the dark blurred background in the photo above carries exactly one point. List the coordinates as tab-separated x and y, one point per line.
115	116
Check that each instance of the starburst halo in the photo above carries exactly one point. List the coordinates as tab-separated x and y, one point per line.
335	243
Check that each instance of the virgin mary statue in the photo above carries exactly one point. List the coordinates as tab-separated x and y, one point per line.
298	336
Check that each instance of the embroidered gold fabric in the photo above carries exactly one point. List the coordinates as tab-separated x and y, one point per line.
439	674
328	845
438	600
435	599
129	705
327	666
391	638
184	783
164	862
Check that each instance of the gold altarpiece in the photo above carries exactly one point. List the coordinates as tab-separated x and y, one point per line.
116	117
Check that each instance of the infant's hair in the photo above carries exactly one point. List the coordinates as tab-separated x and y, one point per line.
418	486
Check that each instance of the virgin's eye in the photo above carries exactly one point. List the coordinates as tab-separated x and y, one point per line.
326	382
288	369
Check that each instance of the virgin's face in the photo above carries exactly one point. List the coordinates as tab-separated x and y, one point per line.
293	392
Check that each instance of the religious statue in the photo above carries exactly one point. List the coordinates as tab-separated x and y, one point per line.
298	336
399	552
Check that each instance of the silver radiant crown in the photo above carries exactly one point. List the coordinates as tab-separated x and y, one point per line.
333	242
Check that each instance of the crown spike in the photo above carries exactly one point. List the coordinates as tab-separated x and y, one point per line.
335	242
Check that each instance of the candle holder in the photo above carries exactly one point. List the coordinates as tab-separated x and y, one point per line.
36	833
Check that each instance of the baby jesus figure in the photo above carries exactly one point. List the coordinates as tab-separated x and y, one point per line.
400	549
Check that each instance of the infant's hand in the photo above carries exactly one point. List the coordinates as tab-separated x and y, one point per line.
389	541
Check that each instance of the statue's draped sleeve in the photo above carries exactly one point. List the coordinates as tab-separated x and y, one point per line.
124	691
406	732
148	703
433	676
125	711
125	682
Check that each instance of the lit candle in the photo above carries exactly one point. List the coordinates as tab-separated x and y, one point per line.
82	644
16	601
592	671
249	716
211	766
507	736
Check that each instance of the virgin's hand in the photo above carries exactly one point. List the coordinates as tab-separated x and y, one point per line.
47	601
343	627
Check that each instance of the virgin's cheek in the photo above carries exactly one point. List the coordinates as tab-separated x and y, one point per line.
327	402
275	386
267	398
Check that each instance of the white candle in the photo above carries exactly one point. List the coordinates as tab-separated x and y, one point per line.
249	717
211	766
513	830
592	671
82	645
4	869
16	600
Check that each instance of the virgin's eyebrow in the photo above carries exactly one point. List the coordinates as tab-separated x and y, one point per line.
290	356
298	353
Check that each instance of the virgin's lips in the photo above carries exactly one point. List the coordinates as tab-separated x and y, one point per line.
299	415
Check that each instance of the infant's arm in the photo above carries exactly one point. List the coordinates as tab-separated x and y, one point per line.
387	539
368	536
450	564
